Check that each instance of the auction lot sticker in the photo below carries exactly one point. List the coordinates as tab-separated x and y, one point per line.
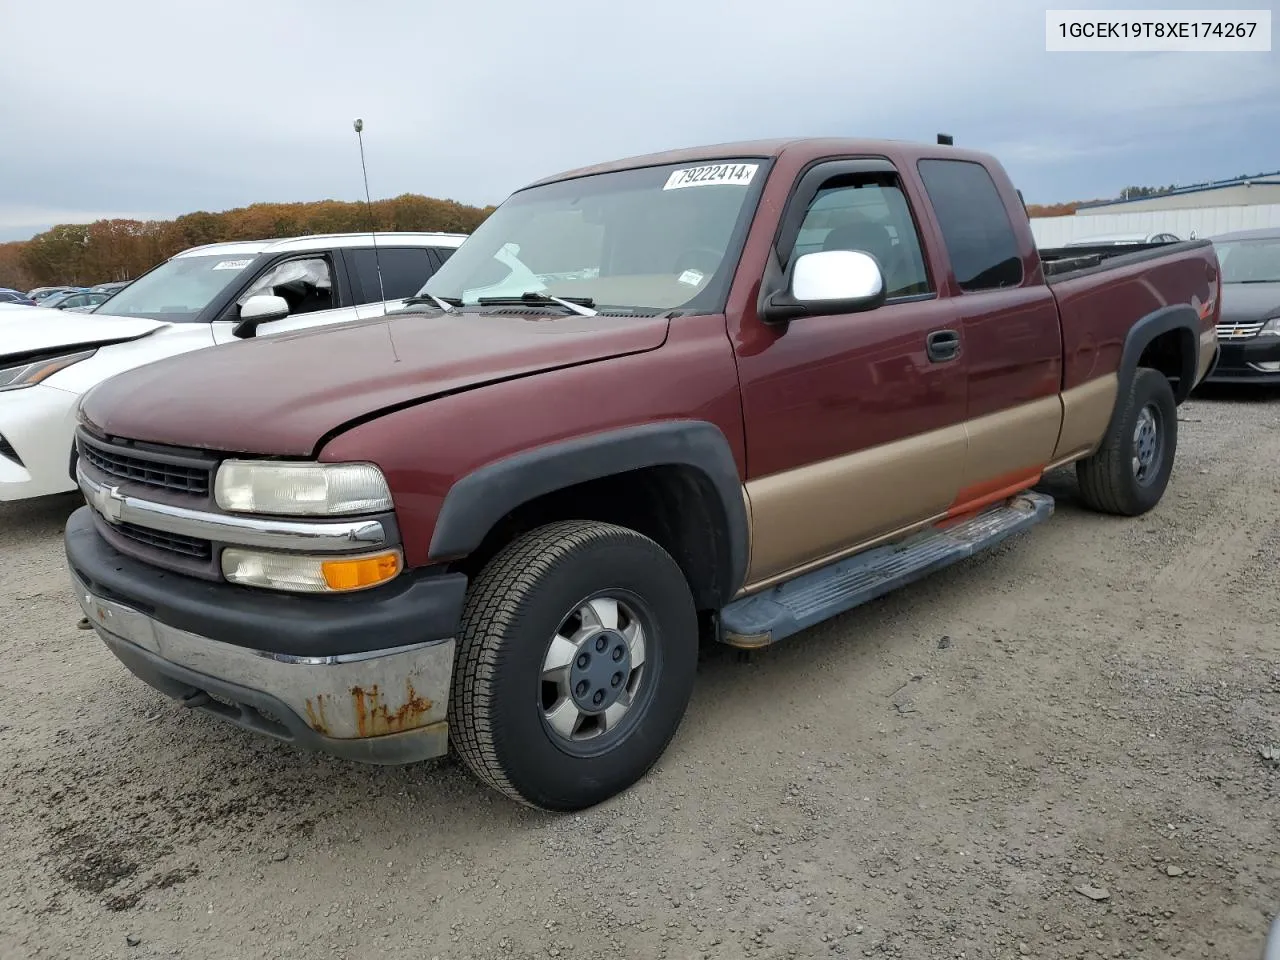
1157	31
713	174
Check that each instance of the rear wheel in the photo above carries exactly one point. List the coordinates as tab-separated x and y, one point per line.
1129	472
575	664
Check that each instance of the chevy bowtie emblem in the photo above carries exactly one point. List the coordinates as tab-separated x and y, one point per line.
110	503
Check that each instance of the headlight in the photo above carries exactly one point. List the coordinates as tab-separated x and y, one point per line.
1271	328
303	574
311	489
29	373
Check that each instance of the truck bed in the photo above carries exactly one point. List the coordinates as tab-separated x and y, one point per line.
1104	292
1061	263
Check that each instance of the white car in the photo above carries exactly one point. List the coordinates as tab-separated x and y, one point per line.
199	298
1125	239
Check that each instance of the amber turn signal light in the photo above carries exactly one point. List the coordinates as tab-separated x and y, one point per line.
360	572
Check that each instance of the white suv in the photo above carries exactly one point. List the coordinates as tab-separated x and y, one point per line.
199	298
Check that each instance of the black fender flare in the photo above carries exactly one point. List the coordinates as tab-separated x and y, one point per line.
476	502
1181	317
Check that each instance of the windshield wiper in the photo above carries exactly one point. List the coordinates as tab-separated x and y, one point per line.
579	305
446	304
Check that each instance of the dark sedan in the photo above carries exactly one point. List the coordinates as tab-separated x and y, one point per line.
1249	331
15	296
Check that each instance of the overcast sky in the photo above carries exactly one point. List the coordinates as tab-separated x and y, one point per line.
153	109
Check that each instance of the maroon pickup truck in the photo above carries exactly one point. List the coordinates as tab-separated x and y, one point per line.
718	393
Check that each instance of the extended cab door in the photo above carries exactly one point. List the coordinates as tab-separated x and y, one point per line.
854	422
1009	321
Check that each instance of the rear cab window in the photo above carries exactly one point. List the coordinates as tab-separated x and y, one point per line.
976	229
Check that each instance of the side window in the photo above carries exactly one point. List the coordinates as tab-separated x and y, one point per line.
975	224
305	284
867	212
404	271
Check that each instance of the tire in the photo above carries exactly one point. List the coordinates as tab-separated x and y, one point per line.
513	728
1110	480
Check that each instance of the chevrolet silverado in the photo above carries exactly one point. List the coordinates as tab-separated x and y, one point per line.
721	393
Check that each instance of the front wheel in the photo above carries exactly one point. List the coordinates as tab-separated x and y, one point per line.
576	659
1128	474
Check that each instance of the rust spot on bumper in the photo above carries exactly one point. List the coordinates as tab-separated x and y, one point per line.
374	717
315	714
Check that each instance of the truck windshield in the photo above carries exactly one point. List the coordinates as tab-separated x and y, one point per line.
179	289
642	240
1250	261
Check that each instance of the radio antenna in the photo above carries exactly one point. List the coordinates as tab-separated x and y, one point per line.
358	124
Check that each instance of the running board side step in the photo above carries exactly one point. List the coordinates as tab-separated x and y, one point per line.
764	618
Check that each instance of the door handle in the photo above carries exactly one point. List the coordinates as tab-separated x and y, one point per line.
943	345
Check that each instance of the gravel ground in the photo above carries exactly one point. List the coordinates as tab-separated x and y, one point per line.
1054	750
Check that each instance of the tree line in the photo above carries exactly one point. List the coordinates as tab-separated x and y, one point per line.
1054	209
107	250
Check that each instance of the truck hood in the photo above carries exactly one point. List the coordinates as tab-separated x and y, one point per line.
1250	302
282	394
26	330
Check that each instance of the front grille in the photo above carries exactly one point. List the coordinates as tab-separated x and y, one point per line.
7	451
166	471
172	542
1238	331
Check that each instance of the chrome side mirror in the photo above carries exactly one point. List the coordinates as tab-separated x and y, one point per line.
827	282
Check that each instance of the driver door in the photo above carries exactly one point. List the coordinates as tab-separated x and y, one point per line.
311	284
854	422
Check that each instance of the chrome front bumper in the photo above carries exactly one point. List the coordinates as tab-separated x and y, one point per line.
385	707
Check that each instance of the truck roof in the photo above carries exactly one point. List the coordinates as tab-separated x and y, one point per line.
326	241
806	147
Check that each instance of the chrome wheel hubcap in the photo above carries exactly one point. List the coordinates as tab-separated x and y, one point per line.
593	670
1146	444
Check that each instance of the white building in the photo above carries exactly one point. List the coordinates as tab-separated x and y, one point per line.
1203	210
1261	190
